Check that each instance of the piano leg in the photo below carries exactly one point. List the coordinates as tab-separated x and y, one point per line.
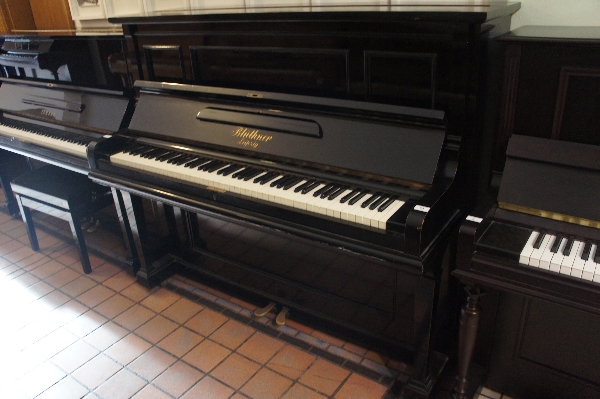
144	252
469	323
428	365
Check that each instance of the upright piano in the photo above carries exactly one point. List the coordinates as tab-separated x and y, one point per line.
532	245
319	158
58	94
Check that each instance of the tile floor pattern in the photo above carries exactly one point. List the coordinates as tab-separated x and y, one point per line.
69	335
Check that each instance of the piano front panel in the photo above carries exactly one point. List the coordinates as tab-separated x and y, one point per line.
322	281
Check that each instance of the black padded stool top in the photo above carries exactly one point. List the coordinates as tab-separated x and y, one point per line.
57	186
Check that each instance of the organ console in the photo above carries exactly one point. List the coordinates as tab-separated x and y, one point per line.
319	159
533	244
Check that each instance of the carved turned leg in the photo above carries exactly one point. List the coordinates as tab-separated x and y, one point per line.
469	322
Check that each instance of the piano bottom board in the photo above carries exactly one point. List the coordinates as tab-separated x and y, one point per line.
544	350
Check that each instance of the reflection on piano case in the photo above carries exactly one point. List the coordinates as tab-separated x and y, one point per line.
533	246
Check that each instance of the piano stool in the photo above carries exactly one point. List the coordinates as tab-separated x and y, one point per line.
63	194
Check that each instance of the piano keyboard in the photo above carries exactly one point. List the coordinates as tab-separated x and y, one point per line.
60	140
354	205
564	255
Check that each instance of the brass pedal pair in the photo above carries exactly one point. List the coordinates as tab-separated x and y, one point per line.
281	316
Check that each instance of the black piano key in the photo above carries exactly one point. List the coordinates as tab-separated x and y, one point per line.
243	173
184	159
230	169
176	158
378	202
303	186
587	248
167	156
330	191
268	175
216	166
252	175
129	147
350	195
310	187
139	149
322	189
196	162
279	183
145	151
337	193
569	246
292	183
538	241
597	255
369	200
208	165
387	203
556	244
154	153
236	174
268	179
358	197
282	178
159	152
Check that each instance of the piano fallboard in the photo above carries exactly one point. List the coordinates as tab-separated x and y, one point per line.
55	123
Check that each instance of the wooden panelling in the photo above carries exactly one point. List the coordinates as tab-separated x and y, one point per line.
15	14
51	14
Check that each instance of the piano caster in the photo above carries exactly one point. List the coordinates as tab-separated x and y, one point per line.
260	312
90	225
282	316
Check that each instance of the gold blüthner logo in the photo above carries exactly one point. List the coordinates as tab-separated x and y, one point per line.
250	137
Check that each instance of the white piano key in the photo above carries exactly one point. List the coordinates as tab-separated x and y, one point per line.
534	258
528	248
558	257
579	263
547	255
590	266
567	263
387	213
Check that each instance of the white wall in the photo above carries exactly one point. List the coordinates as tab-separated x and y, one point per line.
557	12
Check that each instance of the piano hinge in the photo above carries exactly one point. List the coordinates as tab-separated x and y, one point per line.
550	215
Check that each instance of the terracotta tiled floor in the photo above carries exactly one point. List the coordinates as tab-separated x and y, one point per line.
68	335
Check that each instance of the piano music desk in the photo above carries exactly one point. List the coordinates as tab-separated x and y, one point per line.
63	194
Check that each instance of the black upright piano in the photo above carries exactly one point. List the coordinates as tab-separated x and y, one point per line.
528	253
316	158
58	93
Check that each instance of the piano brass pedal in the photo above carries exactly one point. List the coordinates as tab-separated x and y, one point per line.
282	316
260	312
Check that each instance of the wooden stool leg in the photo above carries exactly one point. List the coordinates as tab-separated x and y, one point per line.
28	220
80	242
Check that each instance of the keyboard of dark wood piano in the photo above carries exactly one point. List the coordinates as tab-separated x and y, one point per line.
552	252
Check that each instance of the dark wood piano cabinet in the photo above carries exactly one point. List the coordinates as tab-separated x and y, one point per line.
539	328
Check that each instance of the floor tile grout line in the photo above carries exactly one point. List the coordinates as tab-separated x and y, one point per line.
204	301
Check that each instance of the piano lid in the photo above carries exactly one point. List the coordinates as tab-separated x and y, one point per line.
473	11
554	179
385	141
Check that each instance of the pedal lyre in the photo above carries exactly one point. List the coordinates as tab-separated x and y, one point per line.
260	312
282	316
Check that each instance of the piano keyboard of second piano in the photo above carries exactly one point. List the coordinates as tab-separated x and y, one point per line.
562	254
